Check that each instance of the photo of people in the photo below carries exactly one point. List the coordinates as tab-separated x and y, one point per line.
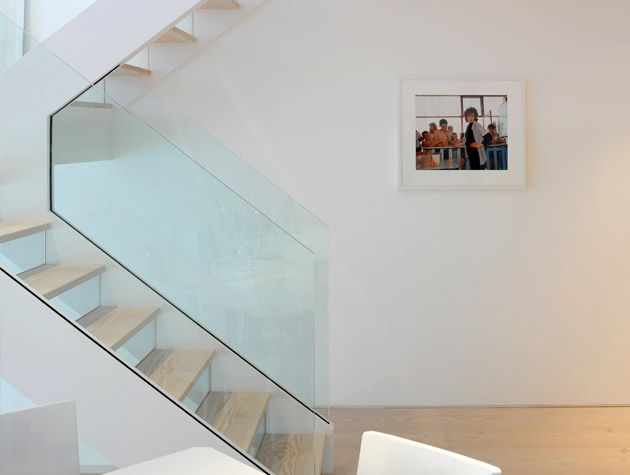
464	132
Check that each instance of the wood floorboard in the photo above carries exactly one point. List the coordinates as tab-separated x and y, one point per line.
521	441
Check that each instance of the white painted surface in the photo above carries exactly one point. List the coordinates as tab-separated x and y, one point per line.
44	17
40	441
13	10
444	297
119	415
163	58
384	454
111	30
197	461
13	400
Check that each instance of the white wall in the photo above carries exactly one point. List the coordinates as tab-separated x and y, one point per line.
445	297
109	31
45	17
13	10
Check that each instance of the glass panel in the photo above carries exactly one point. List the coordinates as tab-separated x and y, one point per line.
250	285
492	105
442	106
248	183
189	236
472	102
187	24
12	44
496	112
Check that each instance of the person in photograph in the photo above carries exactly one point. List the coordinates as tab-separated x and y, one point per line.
474	140
432	132
441	136
495	152
492	137
426	136
418	142
427	141
424	155
441	139
452	136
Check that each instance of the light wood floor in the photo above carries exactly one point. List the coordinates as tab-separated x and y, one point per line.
521	441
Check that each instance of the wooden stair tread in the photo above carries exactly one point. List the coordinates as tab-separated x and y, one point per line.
176	371
130	68
12	231
293	454
176	35
221	5
53	280
237	415
114	326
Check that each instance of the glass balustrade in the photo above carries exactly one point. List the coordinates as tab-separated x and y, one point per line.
137	96
12	44
234	269
187	235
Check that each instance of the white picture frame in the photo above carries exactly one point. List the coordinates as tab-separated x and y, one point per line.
411	178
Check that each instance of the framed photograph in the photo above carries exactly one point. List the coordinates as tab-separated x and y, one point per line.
462	134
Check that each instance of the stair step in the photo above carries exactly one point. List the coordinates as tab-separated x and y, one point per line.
130	68
12	231
293	454
176	35
176	371
221	5
114	326
237	415
53	280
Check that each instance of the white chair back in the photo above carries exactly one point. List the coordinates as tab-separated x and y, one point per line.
383	454
196	461
40	441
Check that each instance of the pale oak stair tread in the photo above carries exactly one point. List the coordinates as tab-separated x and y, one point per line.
12	231
237	415
176	371
221	5
176	35
115	326
53	280
293	454
133	69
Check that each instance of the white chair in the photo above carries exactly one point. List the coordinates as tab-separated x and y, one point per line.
40	441
383	454
197	461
